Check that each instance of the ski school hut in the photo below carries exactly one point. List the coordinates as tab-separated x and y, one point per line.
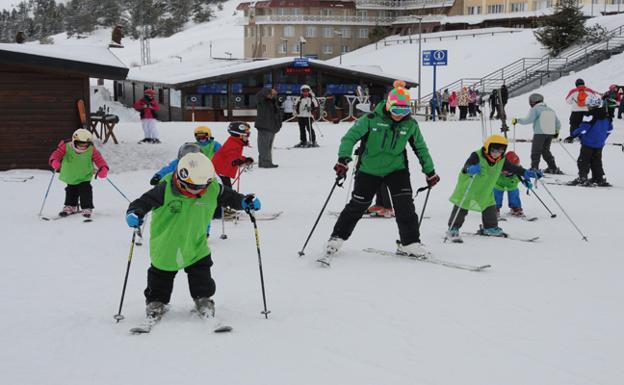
225	90
39	88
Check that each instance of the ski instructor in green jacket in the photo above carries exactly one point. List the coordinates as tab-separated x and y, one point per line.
383	135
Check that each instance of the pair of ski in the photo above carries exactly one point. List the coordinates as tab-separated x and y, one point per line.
259	216
149	322
56	218
16	178
559	182
523	217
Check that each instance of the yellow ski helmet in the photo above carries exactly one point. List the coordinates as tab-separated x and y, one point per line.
497	141
203	130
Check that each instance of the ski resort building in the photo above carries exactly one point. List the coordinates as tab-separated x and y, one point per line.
39	88
225	90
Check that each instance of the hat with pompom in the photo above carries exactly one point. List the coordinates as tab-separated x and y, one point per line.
399	96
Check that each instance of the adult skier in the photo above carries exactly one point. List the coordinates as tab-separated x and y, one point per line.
577	98
384	135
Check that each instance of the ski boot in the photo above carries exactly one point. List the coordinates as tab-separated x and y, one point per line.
68	210
517	212
155	309
414	249
205	307
580	181
156	141
375	210
602	182
553	170
387	213
492	232
452	234
313	144
301	145
331	248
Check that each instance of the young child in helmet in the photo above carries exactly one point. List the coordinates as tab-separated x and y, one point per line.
230	156
304	107
75	158
182	206
509	182
184	149
208	144
475	186
148	108
593	136
546	126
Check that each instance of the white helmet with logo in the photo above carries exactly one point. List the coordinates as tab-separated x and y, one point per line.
82	135
195	171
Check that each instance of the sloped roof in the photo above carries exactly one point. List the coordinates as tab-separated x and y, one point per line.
92	61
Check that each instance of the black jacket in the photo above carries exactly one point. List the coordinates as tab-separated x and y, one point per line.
269	117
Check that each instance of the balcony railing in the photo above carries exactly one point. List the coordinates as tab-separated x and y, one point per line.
402	4
318	19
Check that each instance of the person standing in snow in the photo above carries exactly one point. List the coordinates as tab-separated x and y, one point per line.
611	99
268	123
230	157
288	106
509	182
453	102
462	102
577	98
546	126
384	135
593	136
304	108
183	205
148	107
75	158
445	102
475	187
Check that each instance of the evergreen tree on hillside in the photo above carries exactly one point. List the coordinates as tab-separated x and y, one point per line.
202	12
563	28
80	18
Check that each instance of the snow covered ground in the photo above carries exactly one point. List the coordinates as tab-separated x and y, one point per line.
545	313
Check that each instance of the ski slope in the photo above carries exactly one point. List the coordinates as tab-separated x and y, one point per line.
545	313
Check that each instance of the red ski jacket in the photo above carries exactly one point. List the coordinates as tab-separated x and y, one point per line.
231	150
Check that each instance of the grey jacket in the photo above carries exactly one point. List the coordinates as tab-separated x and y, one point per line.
269	117
543	118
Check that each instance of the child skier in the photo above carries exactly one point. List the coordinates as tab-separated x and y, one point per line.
208	144
546	126
230	156
184	149
384	135
75	158
304	107
509	182
593	136
475	186
148	108
183	205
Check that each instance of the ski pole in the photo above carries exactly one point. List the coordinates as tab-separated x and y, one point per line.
118	317
422	213
336	183
318	127
552	215
223	234
514	137
461	203
566	151
45	197
348	195
564	212
255	225
117	188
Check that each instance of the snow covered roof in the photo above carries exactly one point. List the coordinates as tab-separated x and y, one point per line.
94	61
178	75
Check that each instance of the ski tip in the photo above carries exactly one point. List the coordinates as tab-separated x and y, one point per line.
223	329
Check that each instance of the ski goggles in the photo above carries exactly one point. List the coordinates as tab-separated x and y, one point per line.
191	186
400	110
202	137
80	143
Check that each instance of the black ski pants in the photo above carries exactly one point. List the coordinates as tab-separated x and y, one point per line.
488	217
305	124
576	118
463	111
590	159
160	282
82	192
382	197
540	147
365	187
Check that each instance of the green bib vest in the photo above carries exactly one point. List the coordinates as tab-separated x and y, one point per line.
208	149
76	168
507	183
481	194
178	228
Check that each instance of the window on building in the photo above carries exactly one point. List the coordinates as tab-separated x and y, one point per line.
296	48
281	11
519	7
474	10
361	13
297	11
282	47
310	31
363	33
496	8
328	32
346	32
328	49
289	31
325	12
344	48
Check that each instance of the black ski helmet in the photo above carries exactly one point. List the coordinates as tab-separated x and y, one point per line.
239	129
579	82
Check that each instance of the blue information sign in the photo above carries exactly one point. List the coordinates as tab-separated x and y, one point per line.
435	57
301	62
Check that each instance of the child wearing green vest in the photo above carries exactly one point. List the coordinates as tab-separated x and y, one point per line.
183	204
475	186
509	182
208	144
75	158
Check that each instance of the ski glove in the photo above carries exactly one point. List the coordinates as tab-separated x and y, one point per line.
134	220
514	121
341	167
556	135
102	173
56	165
535	174
155	179
433	179
527	183
473	169
250	202
569	139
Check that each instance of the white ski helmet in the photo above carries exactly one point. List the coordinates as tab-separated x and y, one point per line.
593	101
82	135
305	87
195	171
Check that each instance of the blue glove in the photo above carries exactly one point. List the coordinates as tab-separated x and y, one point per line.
535	174
473	169
250	202
134	220
528	184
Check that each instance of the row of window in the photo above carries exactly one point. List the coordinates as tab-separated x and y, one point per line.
310	31
328	49
498	8
323	12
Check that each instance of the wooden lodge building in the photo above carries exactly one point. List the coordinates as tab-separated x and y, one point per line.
39	88
225	90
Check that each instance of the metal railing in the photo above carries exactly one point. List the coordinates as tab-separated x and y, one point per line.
414	39
525	72
321	19
401	4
